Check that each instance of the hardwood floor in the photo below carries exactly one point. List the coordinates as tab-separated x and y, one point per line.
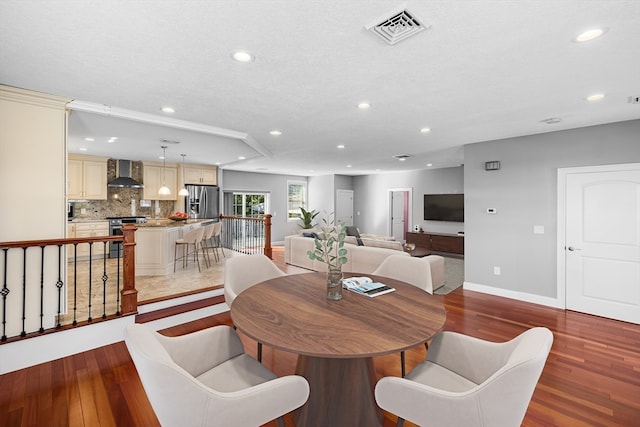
592	375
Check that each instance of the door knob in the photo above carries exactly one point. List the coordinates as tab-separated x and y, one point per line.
571	248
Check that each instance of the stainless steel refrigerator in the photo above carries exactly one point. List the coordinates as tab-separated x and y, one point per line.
202	201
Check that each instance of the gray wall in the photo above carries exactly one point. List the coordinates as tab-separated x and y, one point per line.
321	194
524	192
276	186
371	198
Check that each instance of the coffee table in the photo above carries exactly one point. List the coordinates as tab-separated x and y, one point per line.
336	340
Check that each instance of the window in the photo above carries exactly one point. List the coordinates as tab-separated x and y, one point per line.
251	205
296	198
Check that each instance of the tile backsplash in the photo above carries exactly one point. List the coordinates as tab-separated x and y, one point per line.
118	201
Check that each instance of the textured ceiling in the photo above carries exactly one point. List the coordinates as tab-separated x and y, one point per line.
484	70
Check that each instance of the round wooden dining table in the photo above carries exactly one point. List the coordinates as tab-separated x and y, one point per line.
336	340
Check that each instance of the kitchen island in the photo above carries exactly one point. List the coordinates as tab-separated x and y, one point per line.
156	241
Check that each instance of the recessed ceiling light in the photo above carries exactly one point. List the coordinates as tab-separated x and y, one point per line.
425	130
429	165
242	56
161	157
218	163
83	149
112	139
341	146
348	166
168	110
595	97
89	139
590	35
364	106
241	157
275	132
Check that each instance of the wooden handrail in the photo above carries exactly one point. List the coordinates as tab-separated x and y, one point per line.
55	242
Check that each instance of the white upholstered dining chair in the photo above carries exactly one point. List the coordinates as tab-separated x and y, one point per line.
469	382
206	379
243	271
426	273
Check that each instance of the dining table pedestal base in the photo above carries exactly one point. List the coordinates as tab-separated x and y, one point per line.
341	393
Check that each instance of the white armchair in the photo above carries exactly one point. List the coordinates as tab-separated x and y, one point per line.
205	379
425	273
469	382
242	272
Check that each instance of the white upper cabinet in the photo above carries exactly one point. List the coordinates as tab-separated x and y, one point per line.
153	178
200	175
86	177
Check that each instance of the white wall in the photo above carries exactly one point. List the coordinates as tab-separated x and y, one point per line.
32	193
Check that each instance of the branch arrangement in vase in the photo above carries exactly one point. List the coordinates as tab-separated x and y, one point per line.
329	246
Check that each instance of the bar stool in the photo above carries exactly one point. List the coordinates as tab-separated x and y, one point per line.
206	242
193	237
216	239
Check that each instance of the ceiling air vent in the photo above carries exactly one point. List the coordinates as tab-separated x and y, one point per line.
398	27
401	157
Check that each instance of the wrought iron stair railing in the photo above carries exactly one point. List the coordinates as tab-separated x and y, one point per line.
41	283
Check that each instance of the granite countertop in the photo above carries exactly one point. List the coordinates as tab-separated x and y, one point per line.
165	222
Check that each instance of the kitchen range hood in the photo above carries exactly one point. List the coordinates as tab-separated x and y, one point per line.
123	173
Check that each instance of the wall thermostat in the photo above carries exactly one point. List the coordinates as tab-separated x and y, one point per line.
492	211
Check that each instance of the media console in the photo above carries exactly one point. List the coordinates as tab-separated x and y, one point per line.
438	242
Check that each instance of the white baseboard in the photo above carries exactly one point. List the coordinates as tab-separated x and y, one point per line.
146	308
520	296
33	351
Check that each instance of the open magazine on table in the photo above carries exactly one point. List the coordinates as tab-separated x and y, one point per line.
366	286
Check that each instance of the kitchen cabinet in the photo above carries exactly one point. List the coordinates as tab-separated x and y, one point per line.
202	175
87	229
153	180
86	178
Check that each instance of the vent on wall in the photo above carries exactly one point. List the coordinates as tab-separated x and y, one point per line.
398	27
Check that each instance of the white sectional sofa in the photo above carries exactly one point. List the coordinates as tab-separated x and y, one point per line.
360	259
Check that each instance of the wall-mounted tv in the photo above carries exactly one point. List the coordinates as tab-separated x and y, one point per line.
444	207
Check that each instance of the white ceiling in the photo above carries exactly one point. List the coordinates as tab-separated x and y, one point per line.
484	70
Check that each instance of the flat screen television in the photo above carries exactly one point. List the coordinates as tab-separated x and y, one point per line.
444	207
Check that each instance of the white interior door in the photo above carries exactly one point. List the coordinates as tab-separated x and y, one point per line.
398	214
602	241
344	206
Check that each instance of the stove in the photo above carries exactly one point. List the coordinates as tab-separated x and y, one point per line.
115	229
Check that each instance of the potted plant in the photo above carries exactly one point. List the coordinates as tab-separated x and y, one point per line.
330	250
307	218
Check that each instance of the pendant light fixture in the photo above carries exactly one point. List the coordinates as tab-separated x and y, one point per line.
164	190
183	191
